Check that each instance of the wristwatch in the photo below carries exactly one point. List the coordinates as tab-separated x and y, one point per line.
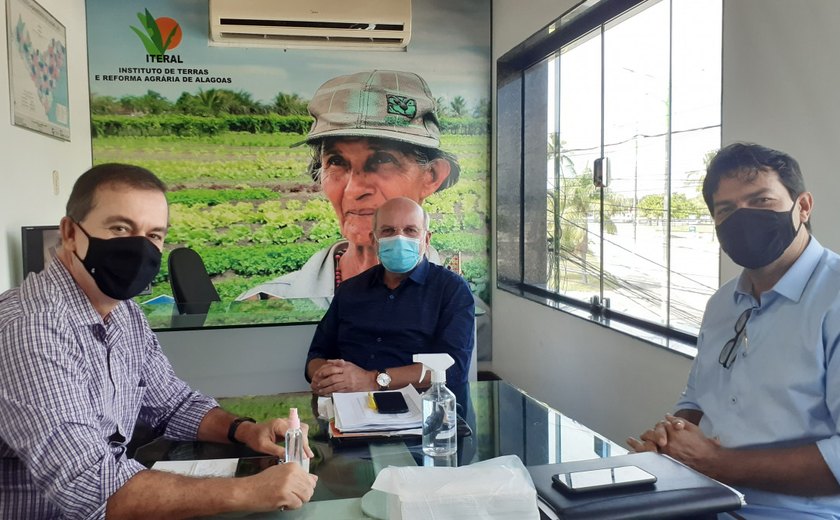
234	425
383	379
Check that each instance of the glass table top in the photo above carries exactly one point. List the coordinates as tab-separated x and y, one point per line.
503	419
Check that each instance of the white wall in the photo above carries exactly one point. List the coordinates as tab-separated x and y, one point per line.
247	361
780	71
27	159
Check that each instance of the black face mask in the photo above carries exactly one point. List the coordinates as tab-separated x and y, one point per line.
121	267
754	238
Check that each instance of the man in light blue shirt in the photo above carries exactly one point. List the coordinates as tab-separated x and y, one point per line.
761	408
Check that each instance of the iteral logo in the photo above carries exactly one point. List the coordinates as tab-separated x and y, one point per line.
158	36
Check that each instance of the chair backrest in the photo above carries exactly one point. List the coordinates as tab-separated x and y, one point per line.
191	285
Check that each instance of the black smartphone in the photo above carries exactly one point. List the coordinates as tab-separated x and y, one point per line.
248	466
390	402
599	479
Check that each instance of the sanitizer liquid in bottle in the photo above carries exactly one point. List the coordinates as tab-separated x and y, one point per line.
294	439
439	418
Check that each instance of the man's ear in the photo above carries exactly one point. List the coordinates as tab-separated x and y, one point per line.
68	233
806	205
436	174
427	241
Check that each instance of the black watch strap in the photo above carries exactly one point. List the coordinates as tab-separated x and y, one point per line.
234	425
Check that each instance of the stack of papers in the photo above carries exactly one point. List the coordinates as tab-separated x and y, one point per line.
353	414
199	468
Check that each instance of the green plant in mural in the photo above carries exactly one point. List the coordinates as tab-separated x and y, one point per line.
153	38
245	202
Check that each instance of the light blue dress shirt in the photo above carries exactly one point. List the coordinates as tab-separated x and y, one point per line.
783	389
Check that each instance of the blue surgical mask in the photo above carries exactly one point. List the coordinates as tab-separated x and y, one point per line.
399	254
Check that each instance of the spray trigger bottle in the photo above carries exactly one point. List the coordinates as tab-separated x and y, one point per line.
439	419
294	439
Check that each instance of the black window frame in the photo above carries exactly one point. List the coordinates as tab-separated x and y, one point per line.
510	165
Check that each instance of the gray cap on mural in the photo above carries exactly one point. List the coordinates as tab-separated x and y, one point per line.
387	104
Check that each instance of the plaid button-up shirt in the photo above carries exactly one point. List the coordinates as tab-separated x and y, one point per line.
72	387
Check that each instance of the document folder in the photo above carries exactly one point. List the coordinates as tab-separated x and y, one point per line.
349	438
678	492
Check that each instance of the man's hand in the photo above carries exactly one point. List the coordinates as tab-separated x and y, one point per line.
338	375
284	486
656	438
157	494
682	440
263	437
690	446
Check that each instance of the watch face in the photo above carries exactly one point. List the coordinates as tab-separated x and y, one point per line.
383	379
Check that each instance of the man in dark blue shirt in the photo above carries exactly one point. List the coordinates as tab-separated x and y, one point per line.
404	306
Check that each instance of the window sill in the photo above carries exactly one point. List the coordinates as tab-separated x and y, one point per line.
679	346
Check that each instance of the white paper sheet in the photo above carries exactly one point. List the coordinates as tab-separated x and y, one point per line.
199	468
353	413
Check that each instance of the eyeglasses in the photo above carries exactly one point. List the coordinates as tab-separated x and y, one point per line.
729	352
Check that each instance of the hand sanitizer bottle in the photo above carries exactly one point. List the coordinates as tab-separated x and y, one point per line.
294	439
439	419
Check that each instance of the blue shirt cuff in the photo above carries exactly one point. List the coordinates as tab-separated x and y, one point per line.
830	450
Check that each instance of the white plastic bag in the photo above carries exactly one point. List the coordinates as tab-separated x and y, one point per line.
497	489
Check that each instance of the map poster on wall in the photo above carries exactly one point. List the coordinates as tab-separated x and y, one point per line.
37	46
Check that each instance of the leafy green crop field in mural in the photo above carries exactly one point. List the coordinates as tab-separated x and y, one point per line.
243	201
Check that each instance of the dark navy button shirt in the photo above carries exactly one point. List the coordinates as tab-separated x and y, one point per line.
374	327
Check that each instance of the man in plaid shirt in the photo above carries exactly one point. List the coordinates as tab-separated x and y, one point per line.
79	366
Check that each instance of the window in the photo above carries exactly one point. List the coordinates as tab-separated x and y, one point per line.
630	92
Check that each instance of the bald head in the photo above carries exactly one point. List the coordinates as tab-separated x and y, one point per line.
401	208
401	234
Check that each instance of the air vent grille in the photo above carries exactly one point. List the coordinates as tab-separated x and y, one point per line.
338	24
300	24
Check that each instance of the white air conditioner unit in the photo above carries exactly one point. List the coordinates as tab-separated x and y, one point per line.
337	24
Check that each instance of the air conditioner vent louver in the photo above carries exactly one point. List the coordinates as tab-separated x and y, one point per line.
373	24
311	25
312	39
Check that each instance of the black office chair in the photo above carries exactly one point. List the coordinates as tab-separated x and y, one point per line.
191	285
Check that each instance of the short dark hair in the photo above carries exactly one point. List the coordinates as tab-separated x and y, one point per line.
747	160
81	198
422	154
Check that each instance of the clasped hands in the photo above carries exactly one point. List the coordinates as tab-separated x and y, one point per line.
681	440
338	375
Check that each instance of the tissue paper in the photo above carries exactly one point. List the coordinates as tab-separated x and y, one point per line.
497	489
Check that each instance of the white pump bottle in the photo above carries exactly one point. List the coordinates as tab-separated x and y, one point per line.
439	418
